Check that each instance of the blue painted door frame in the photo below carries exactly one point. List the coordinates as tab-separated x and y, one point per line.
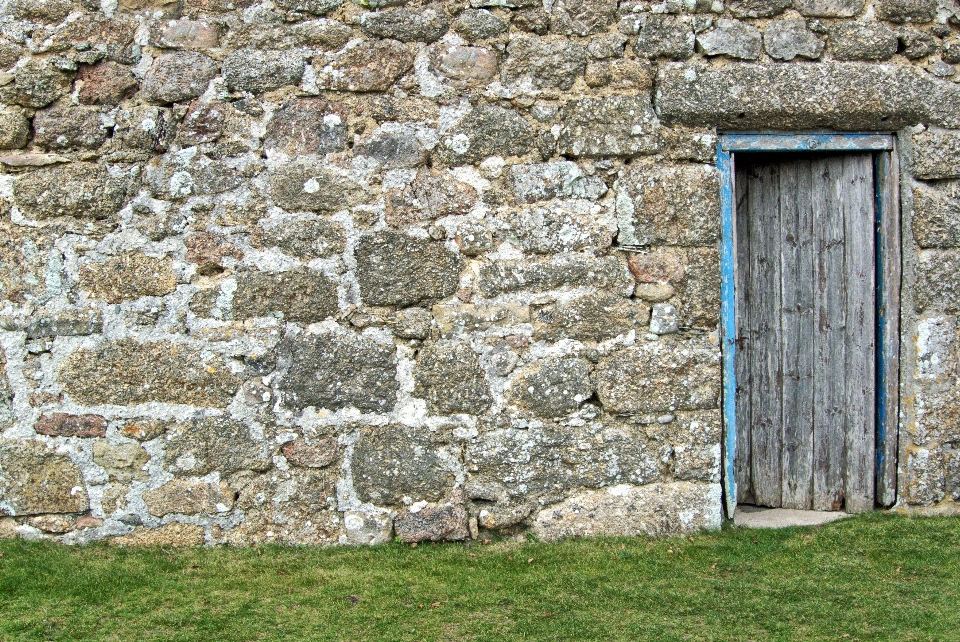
883	145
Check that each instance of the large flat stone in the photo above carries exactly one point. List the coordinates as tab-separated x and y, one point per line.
126	372
673	508
660	376
397	269
83	190
300	295
339	370
201	446
396	461
668	205
35	480
844	96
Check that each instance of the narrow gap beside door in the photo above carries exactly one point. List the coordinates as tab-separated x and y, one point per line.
806	330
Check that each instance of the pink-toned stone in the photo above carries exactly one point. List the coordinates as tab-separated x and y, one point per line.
88	522
185	34
61	424
465	66
656	266
105	83
319	454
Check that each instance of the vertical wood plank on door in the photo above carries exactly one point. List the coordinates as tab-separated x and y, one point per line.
766	375
743	341
797	352
857	194
829	341
890	266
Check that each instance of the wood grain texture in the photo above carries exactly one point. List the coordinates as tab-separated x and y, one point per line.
807	331
829	341
766	374
857	193
888	177
743	340
796	213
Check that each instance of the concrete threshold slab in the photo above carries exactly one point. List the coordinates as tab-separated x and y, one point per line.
762	517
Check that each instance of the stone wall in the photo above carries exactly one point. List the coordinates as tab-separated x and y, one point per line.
318	271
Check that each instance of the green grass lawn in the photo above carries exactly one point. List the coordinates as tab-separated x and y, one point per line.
877	577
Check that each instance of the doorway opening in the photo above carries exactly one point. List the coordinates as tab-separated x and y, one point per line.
810	320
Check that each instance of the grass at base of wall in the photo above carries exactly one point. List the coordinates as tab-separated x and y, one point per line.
875	577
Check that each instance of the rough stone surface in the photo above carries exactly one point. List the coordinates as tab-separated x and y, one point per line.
686	379
63	128
324	272
61	424
128	276
306	126
511	467
305	185
316	7
550	274
178	76
258	71
14	129
670	205
862	41
36	84
320	454
479	24
432	194
733	39
829	8
936	155
156	371
614	126
552	388
936	215
660	36
35	479
394	146
406	25
591	317
486	131
105	83
654	510
172	535
82	190
581	17
123	462
938	281
545	63
463	66
788	39
545	181
300	294
340	370
907	10
292	507
845	96
449	376
396	269
366	66
432	523
201	446
188	498
185	34
395	461
303	237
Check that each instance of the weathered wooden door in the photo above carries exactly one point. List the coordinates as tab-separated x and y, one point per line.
806	330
